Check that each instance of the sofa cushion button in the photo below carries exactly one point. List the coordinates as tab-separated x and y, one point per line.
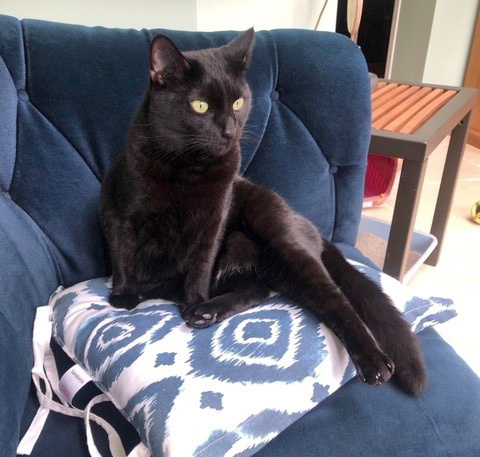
333	169
274	95
22	95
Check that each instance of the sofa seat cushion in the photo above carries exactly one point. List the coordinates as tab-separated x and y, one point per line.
361	421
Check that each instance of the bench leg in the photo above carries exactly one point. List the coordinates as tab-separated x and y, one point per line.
406	205
456	148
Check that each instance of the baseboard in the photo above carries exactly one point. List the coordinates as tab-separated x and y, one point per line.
474	138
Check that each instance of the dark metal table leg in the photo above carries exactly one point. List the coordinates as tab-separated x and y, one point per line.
406	205
456	148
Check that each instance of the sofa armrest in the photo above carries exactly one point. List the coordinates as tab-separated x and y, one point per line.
29	276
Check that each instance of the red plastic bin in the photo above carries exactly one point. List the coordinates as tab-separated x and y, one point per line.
379	179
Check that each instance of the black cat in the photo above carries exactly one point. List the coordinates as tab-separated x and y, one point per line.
182	224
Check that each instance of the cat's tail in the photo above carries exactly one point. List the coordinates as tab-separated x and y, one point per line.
391	331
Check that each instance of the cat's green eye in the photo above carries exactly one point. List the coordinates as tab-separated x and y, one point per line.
199	106
238	104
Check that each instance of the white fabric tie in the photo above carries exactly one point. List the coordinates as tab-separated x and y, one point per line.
45	369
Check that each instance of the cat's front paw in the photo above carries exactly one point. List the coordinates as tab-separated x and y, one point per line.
374	367
199	316
126	301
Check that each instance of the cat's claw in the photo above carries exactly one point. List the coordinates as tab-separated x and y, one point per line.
375	368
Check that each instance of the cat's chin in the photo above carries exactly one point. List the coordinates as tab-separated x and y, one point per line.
229	144
224	150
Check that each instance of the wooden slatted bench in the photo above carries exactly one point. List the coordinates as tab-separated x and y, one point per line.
403	108
408	122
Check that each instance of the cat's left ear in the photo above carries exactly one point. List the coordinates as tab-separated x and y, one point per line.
239	50
166	61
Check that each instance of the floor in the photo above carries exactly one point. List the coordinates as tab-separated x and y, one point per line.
457	274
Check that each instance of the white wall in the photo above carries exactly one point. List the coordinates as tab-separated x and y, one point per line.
172	14
449	45
264	14
204	15
412	38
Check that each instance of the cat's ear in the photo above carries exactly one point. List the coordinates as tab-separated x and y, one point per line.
239	50
166	60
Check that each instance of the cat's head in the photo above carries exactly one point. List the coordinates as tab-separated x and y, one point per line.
199	99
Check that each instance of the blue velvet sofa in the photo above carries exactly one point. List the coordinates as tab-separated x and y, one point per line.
67	95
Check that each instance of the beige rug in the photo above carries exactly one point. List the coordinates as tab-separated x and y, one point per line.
374	248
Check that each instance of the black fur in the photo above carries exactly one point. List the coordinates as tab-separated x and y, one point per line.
182	224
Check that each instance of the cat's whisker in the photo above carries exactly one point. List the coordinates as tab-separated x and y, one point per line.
143	124
250	135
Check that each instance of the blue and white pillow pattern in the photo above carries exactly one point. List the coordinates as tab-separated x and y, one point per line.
223	391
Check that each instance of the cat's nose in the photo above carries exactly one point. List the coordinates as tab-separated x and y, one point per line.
229	132
229	129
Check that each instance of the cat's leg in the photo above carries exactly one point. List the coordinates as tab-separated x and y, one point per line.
294	267
122	243
236	286
199	274
319	293
170	289
382	318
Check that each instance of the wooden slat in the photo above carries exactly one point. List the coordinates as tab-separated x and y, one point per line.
404	106
426	113
403	118
383	90
386	107
388	96
379	86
